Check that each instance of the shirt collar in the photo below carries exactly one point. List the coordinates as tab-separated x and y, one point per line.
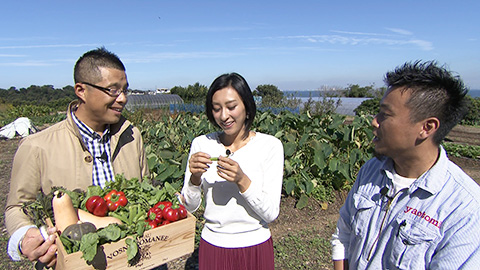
87	132
434	179
431	181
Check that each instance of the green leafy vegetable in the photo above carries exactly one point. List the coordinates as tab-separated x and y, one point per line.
132	249
142	195
88	246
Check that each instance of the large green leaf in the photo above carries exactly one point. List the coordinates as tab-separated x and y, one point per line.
319	159
169	171
291	138
152	160
166	154
289	185
289	149
288	167
302	202
333	164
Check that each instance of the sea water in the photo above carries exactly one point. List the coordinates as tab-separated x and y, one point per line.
307	93
347	105
474	93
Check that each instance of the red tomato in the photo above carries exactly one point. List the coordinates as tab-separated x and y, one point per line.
170	214
182	212
162	205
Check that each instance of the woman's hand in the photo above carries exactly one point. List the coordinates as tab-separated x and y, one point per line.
230	170
198	164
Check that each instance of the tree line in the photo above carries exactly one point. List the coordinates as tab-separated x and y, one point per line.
267	95
270	95
45	95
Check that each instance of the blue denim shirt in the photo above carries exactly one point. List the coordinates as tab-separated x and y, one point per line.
434	224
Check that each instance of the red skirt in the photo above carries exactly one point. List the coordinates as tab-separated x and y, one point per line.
256	257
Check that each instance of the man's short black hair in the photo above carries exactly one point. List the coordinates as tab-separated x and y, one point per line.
87	67
435	92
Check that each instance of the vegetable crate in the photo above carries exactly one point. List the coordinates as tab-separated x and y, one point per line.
157	246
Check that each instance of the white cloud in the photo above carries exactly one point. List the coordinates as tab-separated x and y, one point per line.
400	31
12	55
155	57
48	46
27	64
423	44
357	33
361	38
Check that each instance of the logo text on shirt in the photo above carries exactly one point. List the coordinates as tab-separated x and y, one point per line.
423	215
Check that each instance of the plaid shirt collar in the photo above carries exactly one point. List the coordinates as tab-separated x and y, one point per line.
88	133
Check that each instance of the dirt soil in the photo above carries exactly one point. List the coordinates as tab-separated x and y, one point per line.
321	217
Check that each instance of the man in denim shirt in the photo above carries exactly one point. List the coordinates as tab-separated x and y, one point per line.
411	207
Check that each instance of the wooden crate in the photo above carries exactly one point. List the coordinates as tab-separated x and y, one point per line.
157	246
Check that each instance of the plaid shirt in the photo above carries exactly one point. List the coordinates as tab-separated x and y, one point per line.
99	147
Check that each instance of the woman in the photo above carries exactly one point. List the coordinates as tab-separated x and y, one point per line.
240	172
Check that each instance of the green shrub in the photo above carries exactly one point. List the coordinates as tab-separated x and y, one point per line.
327	105
462	150
473	115
39	114
368	107
371	107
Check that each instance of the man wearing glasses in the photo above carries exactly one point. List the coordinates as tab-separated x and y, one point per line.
93	144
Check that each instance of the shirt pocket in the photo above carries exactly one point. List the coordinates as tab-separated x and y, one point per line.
411	244
360	220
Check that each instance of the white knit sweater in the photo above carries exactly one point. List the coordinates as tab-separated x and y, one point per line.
235	219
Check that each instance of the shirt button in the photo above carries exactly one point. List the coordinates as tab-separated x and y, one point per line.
88	159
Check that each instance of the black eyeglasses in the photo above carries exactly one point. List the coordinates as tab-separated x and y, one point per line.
108	91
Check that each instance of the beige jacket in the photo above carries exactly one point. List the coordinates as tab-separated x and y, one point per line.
57	156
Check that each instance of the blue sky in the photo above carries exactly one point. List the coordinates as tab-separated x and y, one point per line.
295	45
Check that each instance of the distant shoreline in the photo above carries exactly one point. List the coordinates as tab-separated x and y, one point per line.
319	93
474	93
